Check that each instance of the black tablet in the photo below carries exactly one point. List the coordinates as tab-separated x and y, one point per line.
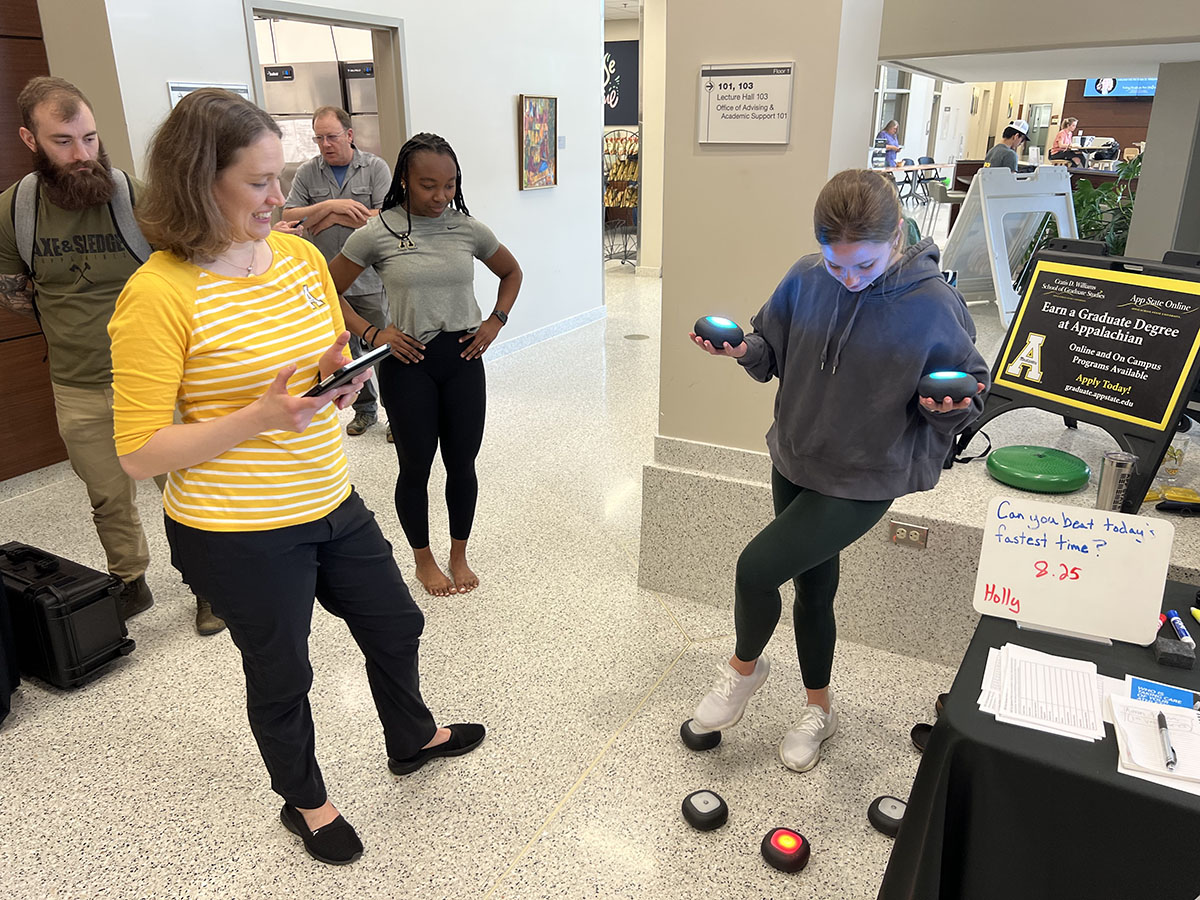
347	372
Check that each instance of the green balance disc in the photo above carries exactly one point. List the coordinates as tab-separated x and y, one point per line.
1041	469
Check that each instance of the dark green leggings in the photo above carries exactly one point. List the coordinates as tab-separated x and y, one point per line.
802	543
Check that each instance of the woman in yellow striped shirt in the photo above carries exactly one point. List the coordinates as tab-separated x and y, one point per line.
231	322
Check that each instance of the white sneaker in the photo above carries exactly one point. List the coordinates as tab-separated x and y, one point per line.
723	705
800	748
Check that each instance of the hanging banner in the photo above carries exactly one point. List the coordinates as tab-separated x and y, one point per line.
621	83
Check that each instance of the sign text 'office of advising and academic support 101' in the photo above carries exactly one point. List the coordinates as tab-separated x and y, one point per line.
745	103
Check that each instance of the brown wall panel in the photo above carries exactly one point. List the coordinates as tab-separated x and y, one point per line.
13	326
1126	120
28	430
20	60
20	17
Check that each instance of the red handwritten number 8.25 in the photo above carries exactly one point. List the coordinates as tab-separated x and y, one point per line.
1067	574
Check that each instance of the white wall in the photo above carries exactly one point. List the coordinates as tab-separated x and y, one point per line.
916	125
951	141
466	62
922	28
621	29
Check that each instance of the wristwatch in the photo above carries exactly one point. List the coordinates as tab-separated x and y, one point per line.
501	315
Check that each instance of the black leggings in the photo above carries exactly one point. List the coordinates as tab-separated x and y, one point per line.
802	543
1076	158
439	400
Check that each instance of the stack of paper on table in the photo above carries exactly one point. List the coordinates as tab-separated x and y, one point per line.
1037	690
1140	745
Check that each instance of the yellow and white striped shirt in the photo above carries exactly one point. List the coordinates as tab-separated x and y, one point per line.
209	345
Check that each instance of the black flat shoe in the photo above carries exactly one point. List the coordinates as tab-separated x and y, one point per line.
336	843
920	735
464	738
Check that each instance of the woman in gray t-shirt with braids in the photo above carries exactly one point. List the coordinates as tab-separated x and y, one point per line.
424	245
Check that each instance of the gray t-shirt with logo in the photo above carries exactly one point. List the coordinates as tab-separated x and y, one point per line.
429	275
1001	156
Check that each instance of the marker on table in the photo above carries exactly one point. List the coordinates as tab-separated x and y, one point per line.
1177	624
1195	614
1168	751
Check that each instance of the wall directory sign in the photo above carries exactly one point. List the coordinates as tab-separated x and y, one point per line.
745	103
1105	340
180	89
1085	571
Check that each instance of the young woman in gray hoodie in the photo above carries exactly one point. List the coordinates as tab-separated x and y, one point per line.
848	332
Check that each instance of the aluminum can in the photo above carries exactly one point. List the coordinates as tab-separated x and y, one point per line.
1116	470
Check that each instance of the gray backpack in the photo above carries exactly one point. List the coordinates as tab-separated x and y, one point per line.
27	198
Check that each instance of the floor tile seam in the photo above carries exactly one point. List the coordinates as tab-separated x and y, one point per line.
586	773
671	615
26	494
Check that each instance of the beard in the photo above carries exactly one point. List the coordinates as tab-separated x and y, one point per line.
76	190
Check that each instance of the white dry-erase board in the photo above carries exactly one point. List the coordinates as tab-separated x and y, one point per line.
1087	571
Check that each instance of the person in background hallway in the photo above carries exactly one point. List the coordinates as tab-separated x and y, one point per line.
1061	149
849	333
892	145
69	278
424	245
334	193
1004	154
236	321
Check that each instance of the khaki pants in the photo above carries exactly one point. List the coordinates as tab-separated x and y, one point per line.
85	421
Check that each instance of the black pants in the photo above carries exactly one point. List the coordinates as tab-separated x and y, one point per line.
262	583
373	308
1076	158
802	543
440	400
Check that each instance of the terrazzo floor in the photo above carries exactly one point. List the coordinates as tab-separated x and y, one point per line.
147	784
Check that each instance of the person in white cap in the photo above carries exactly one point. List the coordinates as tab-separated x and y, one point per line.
1004	154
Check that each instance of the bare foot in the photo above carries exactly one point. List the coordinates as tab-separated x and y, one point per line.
439	737
464	579
320	817
430	574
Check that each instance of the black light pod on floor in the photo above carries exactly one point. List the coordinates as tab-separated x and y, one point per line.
955	385
785	849
718	330
705	810
885	813
694	738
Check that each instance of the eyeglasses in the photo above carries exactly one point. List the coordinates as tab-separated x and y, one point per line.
320	139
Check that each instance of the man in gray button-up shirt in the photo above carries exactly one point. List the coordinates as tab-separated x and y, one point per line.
335	193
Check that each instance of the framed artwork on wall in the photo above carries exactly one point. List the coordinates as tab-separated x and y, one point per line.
538	141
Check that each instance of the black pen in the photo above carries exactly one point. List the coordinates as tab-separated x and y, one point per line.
1168	751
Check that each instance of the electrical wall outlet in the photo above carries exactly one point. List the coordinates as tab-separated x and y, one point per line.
905	535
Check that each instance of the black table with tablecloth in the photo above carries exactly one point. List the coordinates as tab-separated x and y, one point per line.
10	676
1002	811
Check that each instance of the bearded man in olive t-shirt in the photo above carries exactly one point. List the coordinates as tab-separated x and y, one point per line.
78	263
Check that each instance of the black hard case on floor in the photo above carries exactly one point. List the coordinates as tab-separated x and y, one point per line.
66	617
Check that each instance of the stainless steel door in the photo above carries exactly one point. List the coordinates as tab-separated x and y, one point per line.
366	134
359	81
299	88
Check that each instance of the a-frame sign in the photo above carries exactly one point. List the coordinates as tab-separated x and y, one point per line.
1107	340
